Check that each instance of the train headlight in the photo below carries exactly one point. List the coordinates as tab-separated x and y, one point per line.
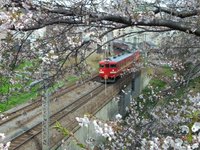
101	72
113	72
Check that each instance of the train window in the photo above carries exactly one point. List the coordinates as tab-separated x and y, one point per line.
101	66
113	66
107	65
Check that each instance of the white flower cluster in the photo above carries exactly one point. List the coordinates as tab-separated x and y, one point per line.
178	144
83	121
196	127
100	127
5	20
3	16
153	144
177	113
118	117
185	129
166	119
74	40
49	57
3	117
141	96
12	17
167	143
176	65
178	78
3	146
23	20
195	99
103	129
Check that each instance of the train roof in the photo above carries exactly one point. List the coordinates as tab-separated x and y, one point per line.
118	57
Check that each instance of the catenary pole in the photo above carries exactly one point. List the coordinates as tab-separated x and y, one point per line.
45	112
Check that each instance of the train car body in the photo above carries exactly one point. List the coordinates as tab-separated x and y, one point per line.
113	67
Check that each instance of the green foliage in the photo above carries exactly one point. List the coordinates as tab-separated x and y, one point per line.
167	71
189	137
16	100
61	129
66	133
157	84
72	79
149	71
194	116
146	91
16	94
4	85
24	64
179	92
194	85
81	145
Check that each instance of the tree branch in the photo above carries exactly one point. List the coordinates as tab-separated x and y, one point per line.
180	14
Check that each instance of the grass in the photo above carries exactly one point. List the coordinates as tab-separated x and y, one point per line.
18	98
72	79
157	83
167	71
24	64
4	85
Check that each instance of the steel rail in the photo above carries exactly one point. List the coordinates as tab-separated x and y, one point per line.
105	99
29	134
11	116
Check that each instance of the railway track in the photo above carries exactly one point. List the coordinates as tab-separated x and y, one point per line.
34	132
29	134
100	101
12	115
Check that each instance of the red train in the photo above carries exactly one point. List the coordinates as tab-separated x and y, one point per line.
113	67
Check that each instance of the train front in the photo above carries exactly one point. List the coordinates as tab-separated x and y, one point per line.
107	70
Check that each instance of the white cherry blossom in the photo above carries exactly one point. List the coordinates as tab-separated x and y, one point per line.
196	127
184	129
118	117
83	121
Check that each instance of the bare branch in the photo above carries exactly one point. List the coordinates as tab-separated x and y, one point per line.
180	14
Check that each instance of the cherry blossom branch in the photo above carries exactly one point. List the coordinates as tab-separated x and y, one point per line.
75	15
180	14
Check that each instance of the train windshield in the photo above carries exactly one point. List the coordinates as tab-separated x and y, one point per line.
113	66
101	66
107	65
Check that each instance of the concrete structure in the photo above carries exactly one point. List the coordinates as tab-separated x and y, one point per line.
116	105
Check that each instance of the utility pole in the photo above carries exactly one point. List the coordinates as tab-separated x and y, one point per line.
145	50
45	112
110	44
